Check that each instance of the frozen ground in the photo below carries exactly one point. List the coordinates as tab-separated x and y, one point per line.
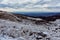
27	30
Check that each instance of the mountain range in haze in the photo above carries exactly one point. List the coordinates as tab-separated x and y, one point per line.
44	15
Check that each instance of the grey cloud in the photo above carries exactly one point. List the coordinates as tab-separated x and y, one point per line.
51	3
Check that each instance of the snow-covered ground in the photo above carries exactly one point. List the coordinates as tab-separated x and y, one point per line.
27	30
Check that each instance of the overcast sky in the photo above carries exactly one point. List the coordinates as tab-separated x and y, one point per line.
30	5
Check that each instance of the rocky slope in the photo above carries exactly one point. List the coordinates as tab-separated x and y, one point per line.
18	27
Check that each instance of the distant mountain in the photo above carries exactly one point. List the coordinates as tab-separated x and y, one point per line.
37	14
49	16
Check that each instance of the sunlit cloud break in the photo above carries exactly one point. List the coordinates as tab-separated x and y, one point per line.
30	5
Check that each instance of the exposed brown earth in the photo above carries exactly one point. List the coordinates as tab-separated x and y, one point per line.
8	16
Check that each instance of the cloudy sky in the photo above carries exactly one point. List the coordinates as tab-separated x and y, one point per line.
30	5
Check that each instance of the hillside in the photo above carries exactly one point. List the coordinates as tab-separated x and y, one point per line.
19	27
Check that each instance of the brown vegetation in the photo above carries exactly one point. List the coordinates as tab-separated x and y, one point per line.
8	16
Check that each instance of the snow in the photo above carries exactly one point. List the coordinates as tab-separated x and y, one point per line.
27	30
34	18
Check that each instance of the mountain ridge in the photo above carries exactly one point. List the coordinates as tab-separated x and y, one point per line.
19	17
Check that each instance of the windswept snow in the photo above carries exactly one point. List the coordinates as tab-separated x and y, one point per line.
27	30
